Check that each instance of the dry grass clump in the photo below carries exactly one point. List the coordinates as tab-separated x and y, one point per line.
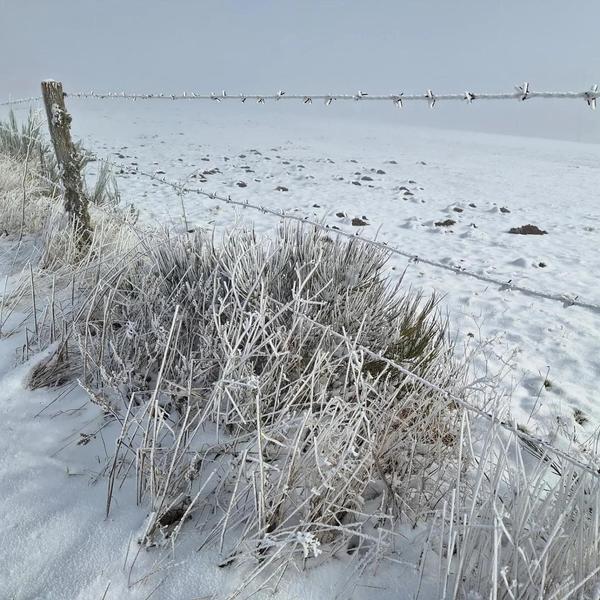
249	405
30	186
519	527
25	200
237	396
25	143
55	370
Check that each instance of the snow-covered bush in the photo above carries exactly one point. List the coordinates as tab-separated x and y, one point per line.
24	142
240	395
240	399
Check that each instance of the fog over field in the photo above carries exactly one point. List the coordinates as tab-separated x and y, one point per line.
319	46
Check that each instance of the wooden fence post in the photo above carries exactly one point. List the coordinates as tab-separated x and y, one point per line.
69	161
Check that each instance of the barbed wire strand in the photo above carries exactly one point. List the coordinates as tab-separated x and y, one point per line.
10	102
564	299
521	92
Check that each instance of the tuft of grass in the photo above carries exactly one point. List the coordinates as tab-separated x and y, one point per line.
30	185
15	139
25	143
105	192
55	370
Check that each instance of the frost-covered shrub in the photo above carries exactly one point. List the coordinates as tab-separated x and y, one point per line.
24	141
254	341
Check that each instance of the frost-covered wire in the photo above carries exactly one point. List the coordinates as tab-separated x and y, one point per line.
11	102
565	299
521	92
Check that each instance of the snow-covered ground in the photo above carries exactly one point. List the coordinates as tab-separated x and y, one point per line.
54	540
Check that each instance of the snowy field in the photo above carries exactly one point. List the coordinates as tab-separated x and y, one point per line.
340	163
377	177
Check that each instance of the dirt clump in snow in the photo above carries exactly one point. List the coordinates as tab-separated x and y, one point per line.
527	230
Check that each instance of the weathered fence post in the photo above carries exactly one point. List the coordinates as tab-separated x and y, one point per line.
69	161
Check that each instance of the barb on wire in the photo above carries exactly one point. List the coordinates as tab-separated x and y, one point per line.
397	100
564	299
430	98
591	96
521	92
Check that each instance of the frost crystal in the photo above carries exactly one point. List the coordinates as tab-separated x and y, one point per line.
130	330
309	543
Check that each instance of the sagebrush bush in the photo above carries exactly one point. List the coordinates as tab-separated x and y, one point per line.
242	398
25	200
23	141
328	433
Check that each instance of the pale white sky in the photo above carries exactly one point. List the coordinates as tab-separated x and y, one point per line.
312	46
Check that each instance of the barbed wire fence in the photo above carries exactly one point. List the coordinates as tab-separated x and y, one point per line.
521	92
543	449
14	102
